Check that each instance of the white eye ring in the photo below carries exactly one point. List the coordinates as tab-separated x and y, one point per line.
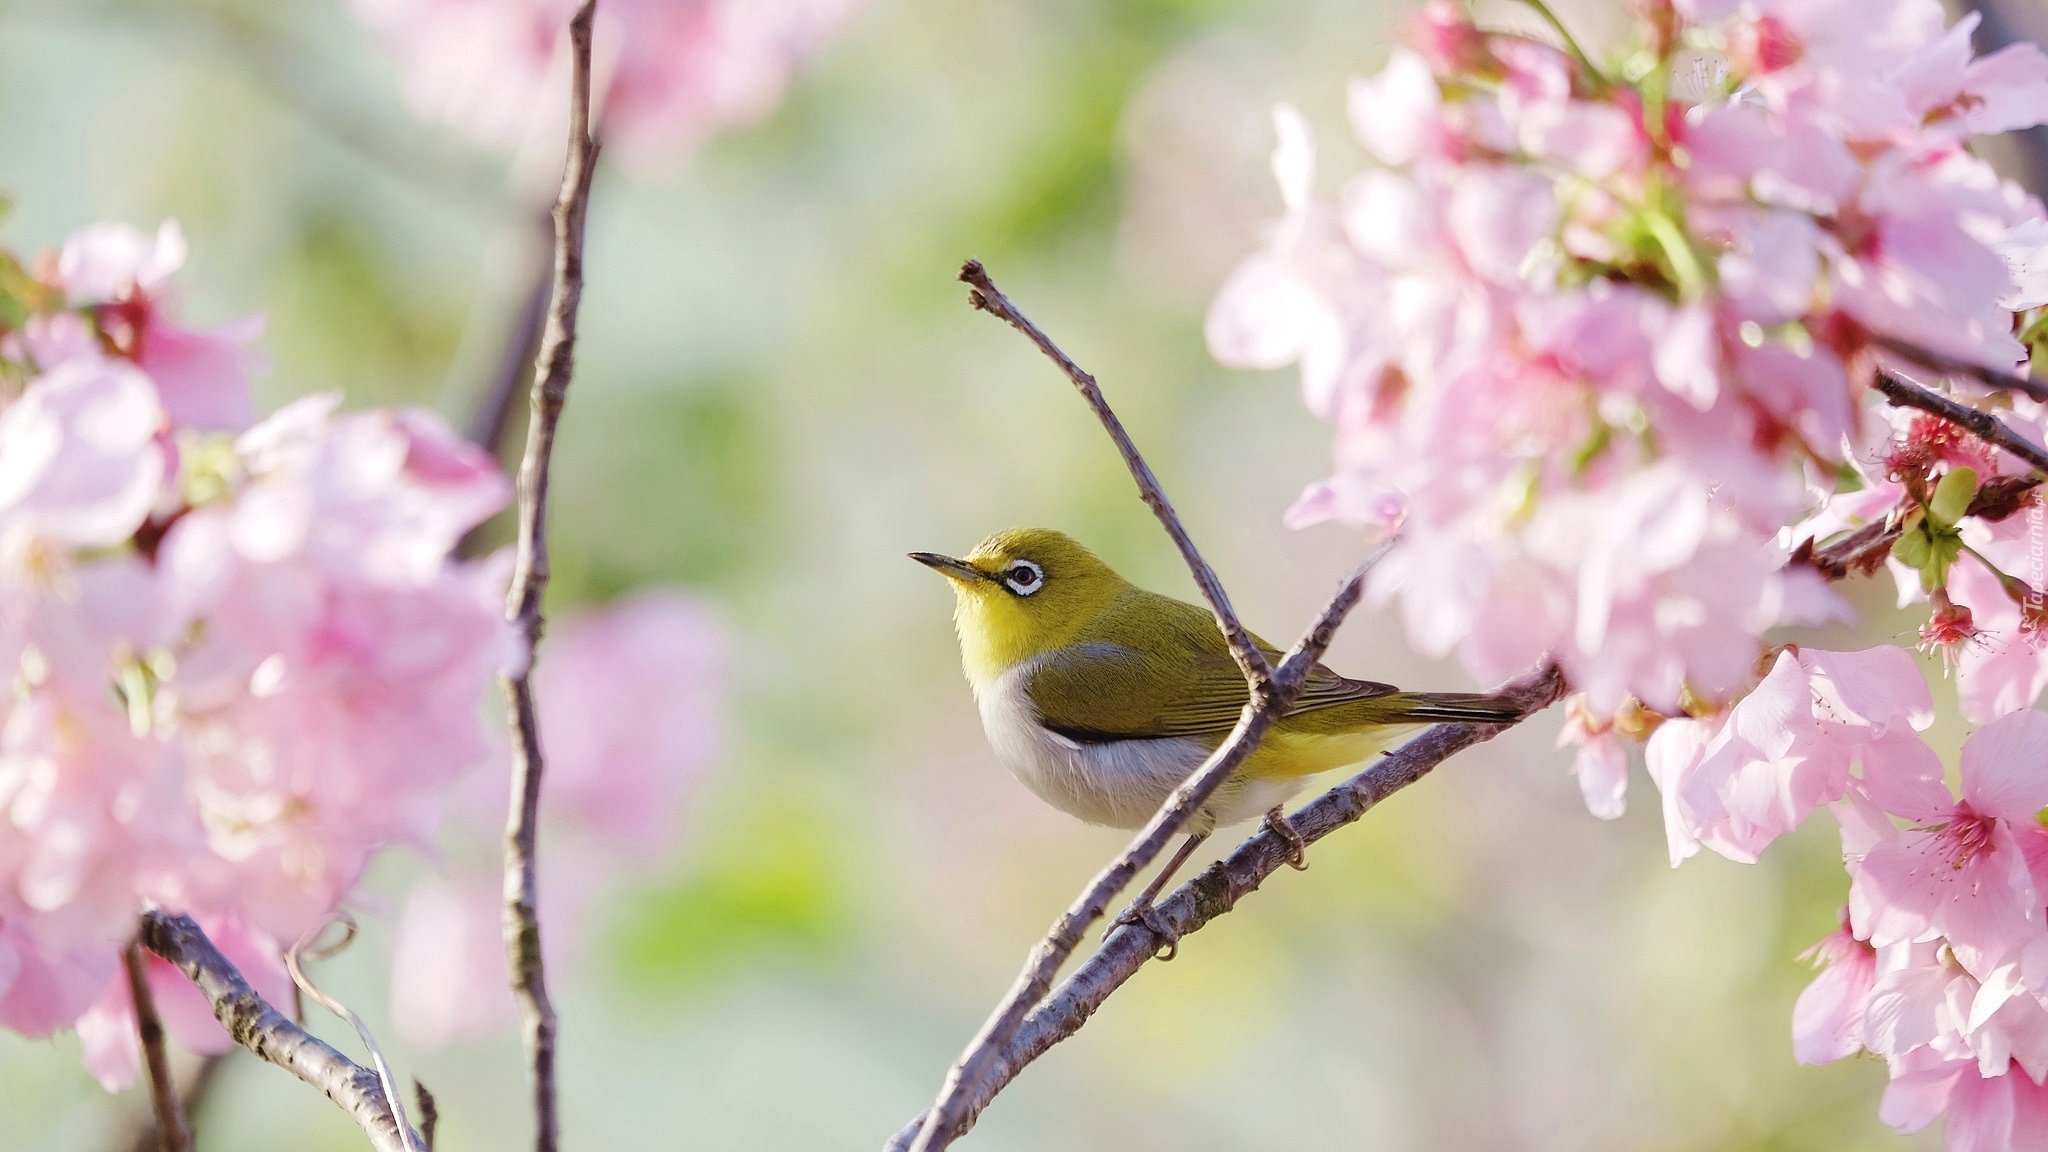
1024	577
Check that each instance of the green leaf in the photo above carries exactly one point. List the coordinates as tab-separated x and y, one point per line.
1912	547
1952	495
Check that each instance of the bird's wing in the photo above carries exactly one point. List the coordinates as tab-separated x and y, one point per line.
1179	681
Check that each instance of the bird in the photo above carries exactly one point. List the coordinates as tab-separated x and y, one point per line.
1102	697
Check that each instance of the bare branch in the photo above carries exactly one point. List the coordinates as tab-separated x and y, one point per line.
1270	695
493	416
1904	393
173	1133
1218	889
430	1113
948	1115
262	1029
140	1135
552	370
987	297
294	963
2017	380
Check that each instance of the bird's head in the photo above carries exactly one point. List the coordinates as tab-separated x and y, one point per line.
1021	592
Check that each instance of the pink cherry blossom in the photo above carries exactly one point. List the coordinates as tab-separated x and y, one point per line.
669	72
1601	763
1958	871
120	277
1738	782
1599	407
1828	1020
80	462
242	668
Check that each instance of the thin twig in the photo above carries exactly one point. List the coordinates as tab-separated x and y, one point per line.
552	370
1983	425
430	1113
1218	889
493	417
1933	361
1571	43
173	1133
262	1029
1271	692
987	297
949	1115
294	963
1863	551
140	1135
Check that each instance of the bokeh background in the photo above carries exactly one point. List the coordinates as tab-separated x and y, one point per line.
780	391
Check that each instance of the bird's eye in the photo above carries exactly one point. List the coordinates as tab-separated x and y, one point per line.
1024	577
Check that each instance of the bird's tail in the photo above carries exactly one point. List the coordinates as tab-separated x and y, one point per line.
1447	708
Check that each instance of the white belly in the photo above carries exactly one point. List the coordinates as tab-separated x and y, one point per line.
1120	783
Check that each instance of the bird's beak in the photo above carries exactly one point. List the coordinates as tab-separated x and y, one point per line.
950	568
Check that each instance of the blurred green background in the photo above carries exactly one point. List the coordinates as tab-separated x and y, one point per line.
781	390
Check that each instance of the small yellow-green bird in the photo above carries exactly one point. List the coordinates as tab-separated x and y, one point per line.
1102	697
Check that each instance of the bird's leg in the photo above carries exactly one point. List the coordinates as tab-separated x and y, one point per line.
1297	848
1141	910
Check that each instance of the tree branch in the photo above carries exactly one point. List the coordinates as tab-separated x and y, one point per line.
1218	889
172	1132
552	371
493	416
949	1115
140	1135
1934	361
262	1029
1904	393
987	297
1271	692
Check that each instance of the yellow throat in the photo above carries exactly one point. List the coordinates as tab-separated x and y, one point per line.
1022	592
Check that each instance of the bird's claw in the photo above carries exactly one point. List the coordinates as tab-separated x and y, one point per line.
1297	847
1146	915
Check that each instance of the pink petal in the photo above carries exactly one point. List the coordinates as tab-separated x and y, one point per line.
1827	1020
1872	687
2005	766
1920	1090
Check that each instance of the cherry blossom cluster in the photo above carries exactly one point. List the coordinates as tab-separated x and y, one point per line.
1592	335
1940	966
669	72
1599	340
240	660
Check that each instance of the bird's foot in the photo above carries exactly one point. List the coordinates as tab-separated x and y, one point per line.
1297	847
1145	915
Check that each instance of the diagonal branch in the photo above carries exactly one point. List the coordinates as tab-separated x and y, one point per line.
173	1132
1271	693
1933	361
987	297
1905	393
1216	892
552	371
262	1029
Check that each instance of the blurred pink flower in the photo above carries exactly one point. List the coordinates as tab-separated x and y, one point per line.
121	278
631	700
80	462
669	72
224	706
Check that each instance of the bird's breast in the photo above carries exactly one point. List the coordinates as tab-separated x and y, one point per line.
1120	783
